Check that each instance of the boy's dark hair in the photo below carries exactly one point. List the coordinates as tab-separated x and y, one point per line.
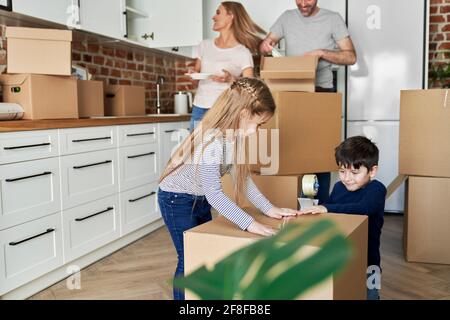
357	151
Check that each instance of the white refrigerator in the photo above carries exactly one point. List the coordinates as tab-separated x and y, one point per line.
390	40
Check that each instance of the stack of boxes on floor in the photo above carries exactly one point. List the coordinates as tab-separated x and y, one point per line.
425	159
39	79
308	125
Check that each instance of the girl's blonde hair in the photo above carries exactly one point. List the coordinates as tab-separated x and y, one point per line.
244	29
245	97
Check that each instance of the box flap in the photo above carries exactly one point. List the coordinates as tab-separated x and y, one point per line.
299	63
37	33
282	74
13	79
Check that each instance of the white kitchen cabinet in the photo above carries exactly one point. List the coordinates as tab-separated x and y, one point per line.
139	207
29	251
169	134
105	17
89	176
59	11
137	134
90	226
28	190
138	165
28	145
169	23
80	140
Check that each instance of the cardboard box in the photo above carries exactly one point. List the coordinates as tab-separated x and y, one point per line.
213	241
122	100
91	101
427	220
290	73
425	133
42	97
39	51
309	129
281	191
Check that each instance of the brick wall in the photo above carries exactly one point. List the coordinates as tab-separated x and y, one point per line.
131	66
439	47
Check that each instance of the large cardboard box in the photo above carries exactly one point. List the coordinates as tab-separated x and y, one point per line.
39	51
124	100
290	73
427	220
425	133
90	98
213	241
305	130
281	191
41	96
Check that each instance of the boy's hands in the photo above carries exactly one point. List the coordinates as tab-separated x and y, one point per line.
258	228
314	210
279	213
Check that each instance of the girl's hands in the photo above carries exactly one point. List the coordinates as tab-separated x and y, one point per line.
258	228
314	210
279	213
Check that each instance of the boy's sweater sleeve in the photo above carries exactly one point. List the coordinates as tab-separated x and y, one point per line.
371	203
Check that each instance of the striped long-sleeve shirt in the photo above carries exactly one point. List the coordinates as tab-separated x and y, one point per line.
202	177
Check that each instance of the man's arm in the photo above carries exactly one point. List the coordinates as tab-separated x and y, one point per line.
346	54
268	43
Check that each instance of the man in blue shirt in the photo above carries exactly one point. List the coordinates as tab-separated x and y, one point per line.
358	192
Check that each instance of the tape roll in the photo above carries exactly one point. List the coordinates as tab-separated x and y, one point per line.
310	185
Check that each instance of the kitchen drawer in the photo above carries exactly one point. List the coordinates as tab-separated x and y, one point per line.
28	145
138	165
80	140
89	176
28	190
90	226
139	207
130	135
29	251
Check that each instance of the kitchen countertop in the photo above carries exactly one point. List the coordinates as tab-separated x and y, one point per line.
26	125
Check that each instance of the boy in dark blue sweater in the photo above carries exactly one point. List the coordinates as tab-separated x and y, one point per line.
358	193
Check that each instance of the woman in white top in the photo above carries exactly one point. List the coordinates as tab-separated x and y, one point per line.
227	57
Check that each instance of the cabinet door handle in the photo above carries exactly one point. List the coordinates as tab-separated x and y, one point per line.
145	36
140	198
92	164
169	131
29	177
91	139
28	146
139	134
31	238
95	214
141	155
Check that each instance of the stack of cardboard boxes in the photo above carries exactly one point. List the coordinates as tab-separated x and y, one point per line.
302	135
306	130
425	159
39	68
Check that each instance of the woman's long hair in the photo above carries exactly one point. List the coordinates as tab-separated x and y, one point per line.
248	96
245	30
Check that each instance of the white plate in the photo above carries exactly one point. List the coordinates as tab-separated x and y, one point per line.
199	76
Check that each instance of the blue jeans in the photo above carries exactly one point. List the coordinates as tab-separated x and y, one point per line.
181	212
196	116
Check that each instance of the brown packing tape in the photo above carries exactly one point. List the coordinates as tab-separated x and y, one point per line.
395	184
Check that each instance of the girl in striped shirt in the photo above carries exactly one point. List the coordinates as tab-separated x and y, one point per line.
191	183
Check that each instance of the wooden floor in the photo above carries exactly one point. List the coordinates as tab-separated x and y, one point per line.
141	271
